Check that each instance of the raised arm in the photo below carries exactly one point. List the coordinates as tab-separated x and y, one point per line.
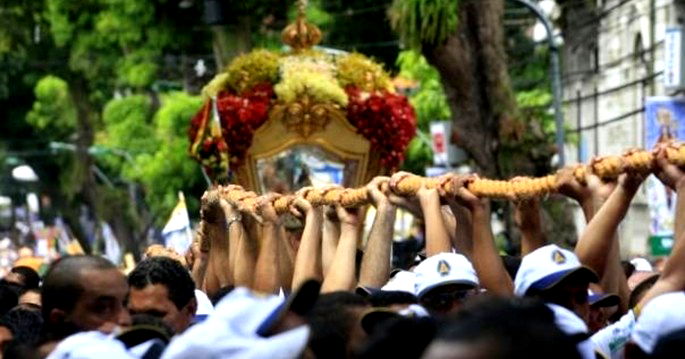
308	258
267	276
375	267
341	275
596	241
486	260
330	238
673	275
199	254
213	230
527	218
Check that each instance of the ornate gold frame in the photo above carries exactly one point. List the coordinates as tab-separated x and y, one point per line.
338	136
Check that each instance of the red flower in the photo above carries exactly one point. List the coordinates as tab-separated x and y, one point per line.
387	120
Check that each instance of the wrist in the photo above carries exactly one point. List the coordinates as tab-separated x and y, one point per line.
679	184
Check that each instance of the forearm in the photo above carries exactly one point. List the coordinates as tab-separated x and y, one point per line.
341	275
199	270
244	265
308	258
532	235
331	236
463	230
596	241
375	267
437	239
267	275
286	262
486	259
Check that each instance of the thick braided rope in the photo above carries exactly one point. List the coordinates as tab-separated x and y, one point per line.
520	188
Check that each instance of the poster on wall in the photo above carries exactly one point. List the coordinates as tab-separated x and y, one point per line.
664	118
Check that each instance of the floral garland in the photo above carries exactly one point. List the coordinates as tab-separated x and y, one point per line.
386	119
250	87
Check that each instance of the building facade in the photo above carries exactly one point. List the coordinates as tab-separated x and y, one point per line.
612	62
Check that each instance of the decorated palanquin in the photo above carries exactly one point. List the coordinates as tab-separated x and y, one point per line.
279	121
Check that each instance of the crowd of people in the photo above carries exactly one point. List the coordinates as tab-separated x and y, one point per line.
259	284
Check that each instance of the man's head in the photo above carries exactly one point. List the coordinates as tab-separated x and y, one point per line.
556	276
24	276
335	322
602	307
501	328
444	281
30	299
162	287
83	293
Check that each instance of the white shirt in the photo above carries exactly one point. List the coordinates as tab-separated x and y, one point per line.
611	341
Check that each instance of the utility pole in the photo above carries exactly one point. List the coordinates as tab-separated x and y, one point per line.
555	74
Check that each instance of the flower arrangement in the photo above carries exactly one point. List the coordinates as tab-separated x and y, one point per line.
386	119
255	85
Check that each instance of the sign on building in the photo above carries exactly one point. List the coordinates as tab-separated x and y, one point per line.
664	119
444	152
673	58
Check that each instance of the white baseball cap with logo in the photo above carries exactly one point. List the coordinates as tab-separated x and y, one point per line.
660	316
402	281
442	269
545	267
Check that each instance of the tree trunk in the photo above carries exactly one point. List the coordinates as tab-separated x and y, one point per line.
83	161
473	69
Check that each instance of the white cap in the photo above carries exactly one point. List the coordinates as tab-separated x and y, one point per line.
231	331
442	269
91	345
660	316
402	281
641	265
204	305
547	266
572	325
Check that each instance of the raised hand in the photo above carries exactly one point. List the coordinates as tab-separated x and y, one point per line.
670	174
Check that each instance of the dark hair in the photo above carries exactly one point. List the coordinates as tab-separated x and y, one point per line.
511	264
25	325
8	297
386	298
62	285
640	290
400	338
509	328
331	322
628	268
167	272
31	277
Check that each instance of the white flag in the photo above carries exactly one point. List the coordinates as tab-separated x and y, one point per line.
176	232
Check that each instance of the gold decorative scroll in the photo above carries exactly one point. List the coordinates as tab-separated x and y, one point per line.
305	116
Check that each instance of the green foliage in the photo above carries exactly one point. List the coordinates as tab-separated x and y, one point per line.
168	170
420	22
53	113
128	126
429	100
430	104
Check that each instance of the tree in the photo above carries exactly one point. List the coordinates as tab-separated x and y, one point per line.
464	41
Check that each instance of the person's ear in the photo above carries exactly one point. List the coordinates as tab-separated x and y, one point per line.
191	307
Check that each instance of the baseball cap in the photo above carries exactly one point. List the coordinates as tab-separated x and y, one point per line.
602	299
91	345
240	326
545	267
660	316
442	269
402	281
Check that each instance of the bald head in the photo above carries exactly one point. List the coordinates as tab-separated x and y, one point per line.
62	285
84	293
